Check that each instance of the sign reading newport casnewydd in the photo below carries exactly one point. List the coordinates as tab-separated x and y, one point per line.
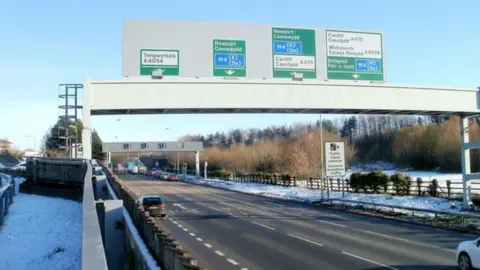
229	58
293	52
335	159
354	56
167	61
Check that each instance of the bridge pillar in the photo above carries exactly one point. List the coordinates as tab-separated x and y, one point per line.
197	164
465	156
87	121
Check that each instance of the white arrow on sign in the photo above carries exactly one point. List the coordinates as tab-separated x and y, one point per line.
356	76
229	72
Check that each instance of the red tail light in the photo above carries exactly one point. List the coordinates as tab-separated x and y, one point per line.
162	206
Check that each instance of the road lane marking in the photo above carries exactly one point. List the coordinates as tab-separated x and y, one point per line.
244	269
306	240
213	208
179	205
208	245
406	240
192	234
263	225
367	260
331	223
180	225
199	239
185	229
174	222
219	253
232	261
194	211
276	204
171	212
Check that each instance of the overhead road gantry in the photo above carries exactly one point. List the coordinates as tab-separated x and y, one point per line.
260	68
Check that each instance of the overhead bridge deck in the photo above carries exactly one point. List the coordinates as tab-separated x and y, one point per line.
215	96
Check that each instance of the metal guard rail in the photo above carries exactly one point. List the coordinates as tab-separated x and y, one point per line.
413	209
93	253
147	258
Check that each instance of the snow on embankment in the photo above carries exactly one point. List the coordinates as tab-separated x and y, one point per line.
41	233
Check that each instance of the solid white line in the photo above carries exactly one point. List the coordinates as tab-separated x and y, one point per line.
185	229
331	223
199	239
208	245
232	261
219	253
306	240
260	224
192	234
367	260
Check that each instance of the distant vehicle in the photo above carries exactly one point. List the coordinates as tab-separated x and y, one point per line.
142	169
468	254
154	205
165	176
173	178
130	166
134	169
156	174
120	169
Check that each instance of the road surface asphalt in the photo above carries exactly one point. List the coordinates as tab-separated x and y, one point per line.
229	230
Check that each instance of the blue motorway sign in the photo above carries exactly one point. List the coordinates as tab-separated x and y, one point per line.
229	60
368	65
287	47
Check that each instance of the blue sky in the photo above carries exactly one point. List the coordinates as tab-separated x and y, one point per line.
45	43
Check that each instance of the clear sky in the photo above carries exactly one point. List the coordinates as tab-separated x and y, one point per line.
44	43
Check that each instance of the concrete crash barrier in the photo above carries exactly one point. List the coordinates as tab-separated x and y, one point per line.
168	253
7	192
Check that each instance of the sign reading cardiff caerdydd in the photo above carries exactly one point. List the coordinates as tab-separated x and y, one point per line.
166	61
229	58
354	56
293	52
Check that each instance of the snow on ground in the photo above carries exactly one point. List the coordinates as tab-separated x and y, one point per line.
307	195
41	233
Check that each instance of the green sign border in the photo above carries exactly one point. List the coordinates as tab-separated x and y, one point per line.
372	77
244	69
169	70
307	74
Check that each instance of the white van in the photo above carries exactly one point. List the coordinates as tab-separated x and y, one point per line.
135	169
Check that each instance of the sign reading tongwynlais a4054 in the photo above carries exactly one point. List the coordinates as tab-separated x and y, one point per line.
166	61
354	56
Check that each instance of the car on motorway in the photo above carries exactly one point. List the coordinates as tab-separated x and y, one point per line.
173	178
154	205
156	174
468	254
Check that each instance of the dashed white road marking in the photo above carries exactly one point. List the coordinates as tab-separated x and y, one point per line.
367	260
219	253
174	222
276	204
180	225
244	269
194	211
232	261
306	240
171	212
199	239
263	225
208	245
179	205
185	229
192	234
332	223
213	208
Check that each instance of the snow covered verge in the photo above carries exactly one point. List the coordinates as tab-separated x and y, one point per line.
307	195
41	233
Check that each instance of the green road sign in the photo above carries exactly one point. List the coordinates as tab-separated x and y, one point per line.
354	56
229	58
293	52
166	60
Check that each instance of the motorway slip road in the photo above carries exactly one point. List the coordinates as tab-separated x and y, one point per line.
229	230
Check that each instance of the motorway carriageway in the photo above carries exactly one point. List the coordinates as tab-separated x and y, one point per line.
229	230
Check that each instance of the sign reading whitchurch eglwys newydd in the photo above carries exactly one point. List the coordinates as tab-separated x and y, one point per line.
209	49
335	159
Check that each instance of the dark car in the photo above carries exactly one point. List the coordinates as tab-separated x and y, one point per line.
154	205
